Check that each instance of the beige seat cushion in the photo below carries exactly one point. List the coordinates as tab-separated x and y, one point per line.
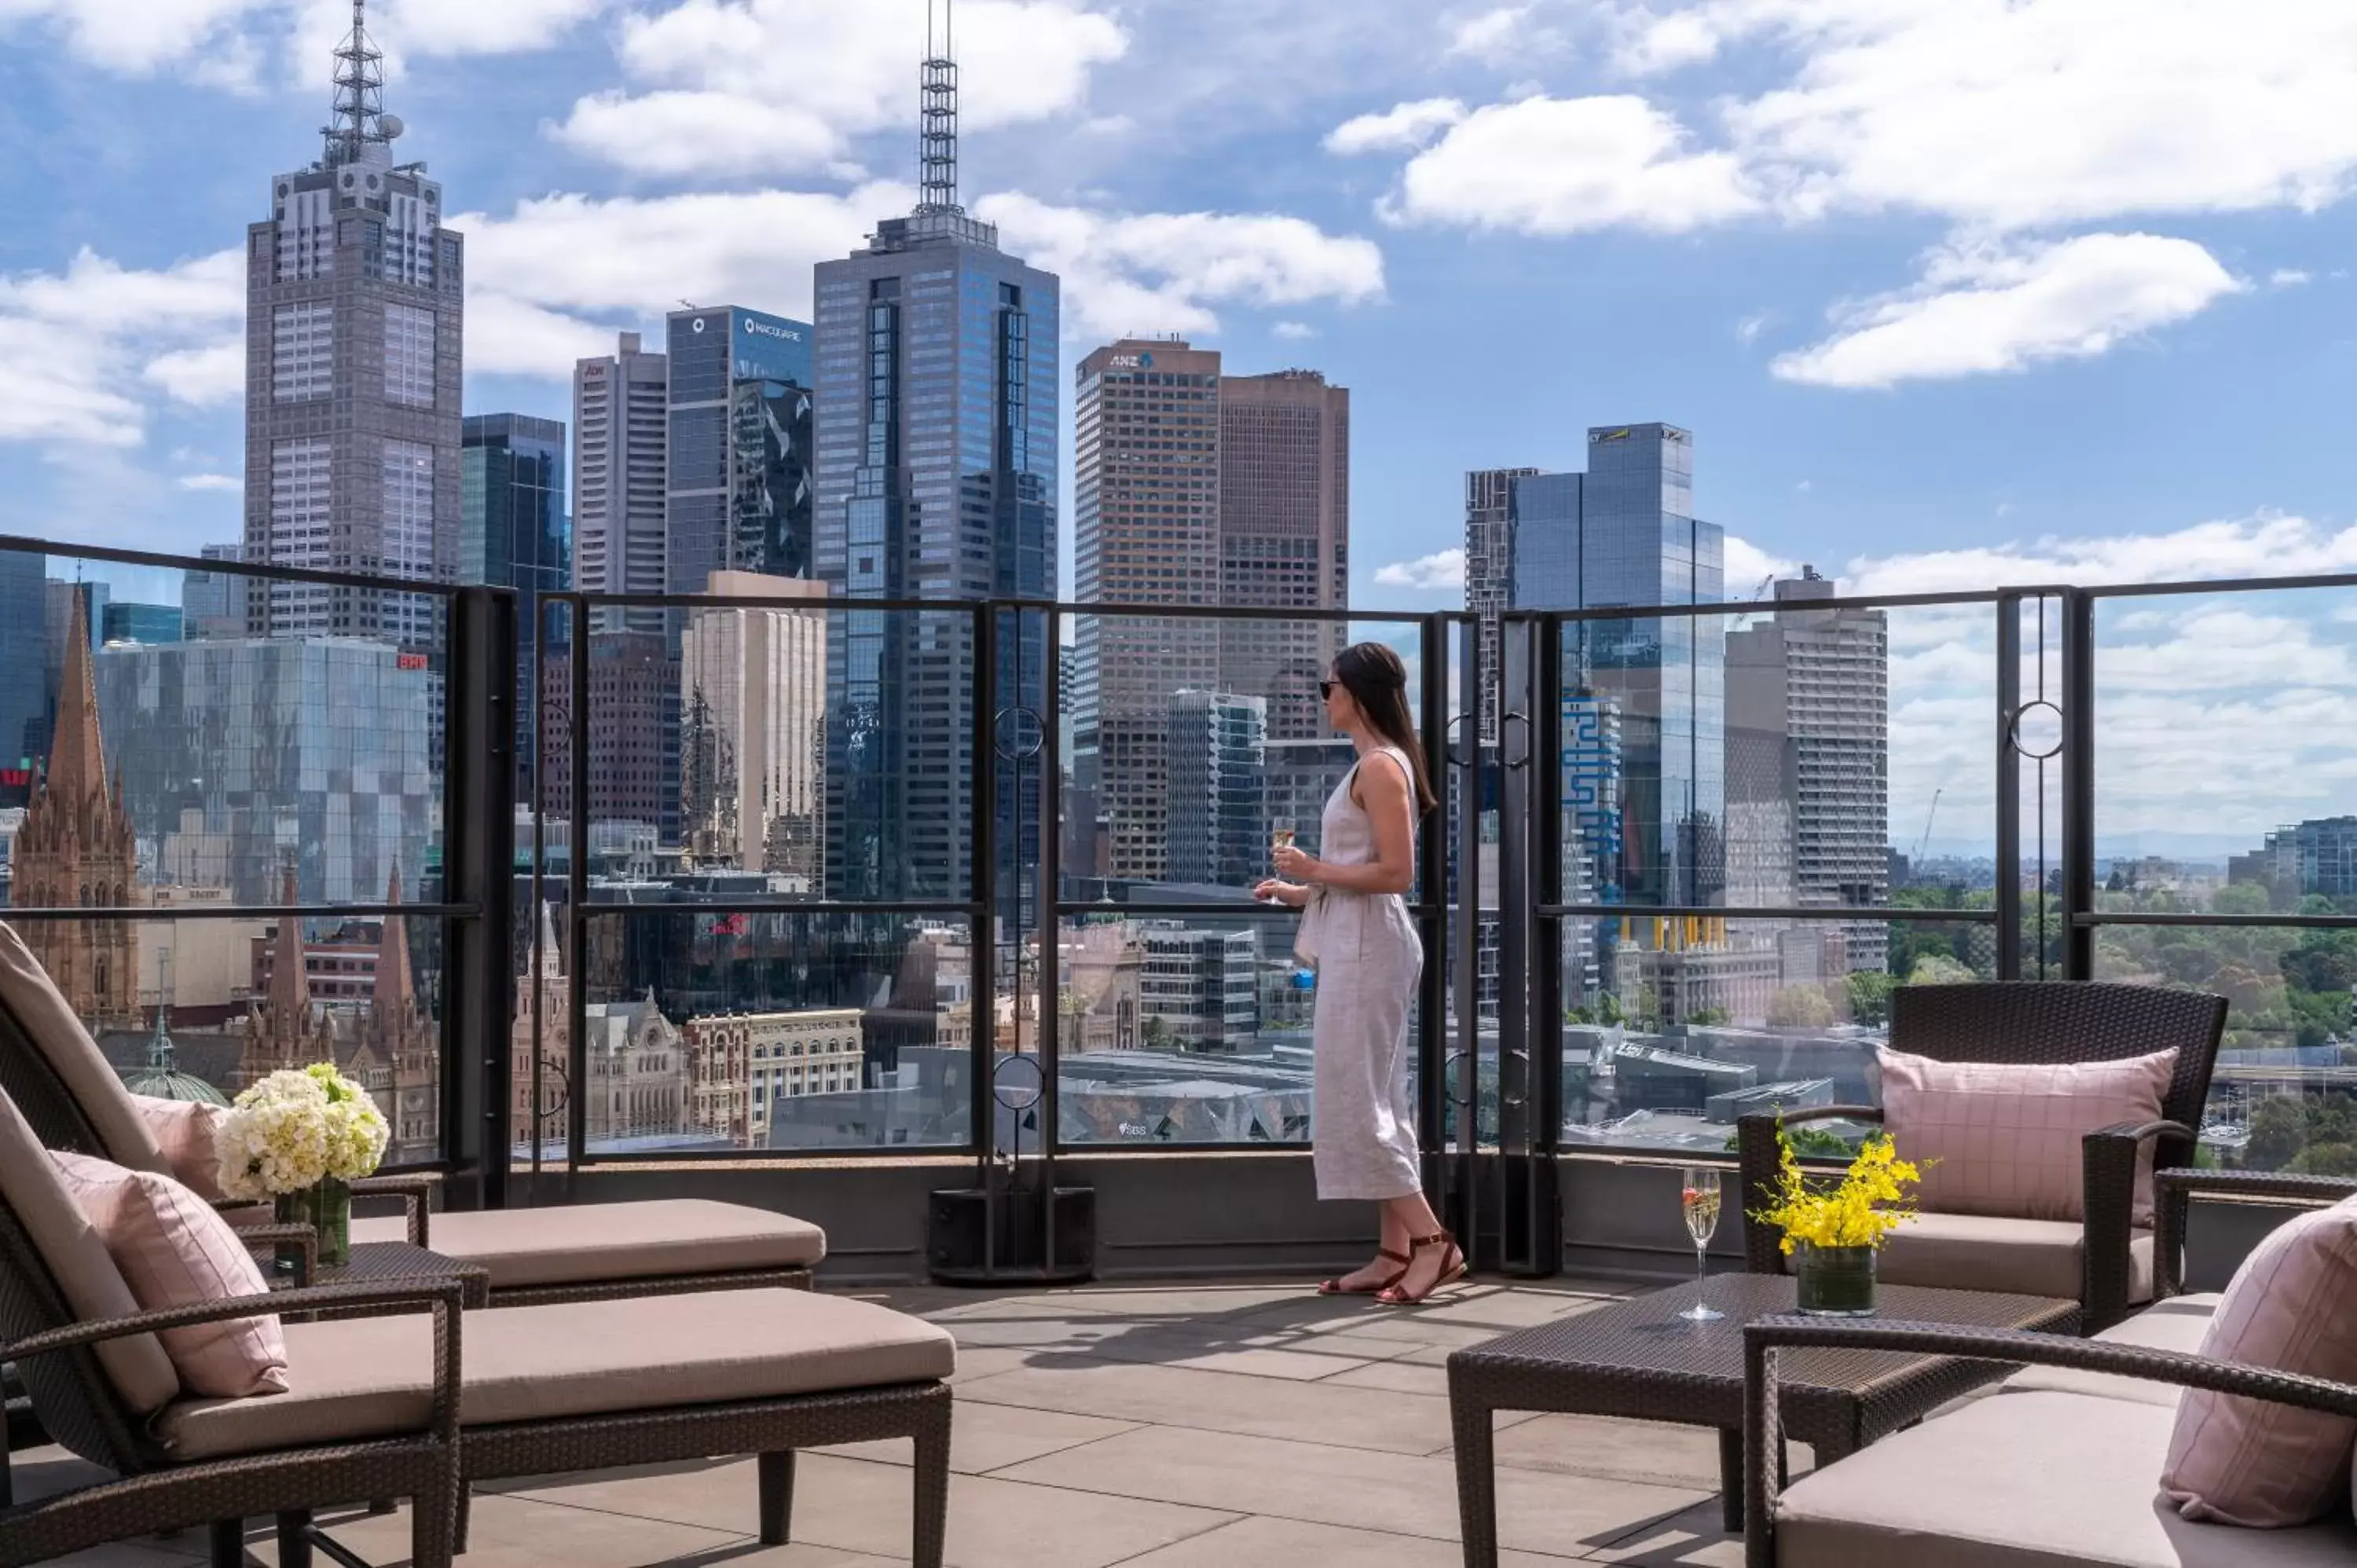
2176	1323
365	1377
78	1261
588	1243
2025	1480
1975	1251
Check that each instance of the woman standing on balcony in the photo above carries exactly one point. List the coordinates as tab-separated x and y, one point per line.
1355	929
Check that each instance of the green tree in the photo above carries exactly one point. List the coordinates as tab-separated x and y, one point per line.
1934	969
1706	1016
1870	996
2326	1159
2278	1132
1800	1007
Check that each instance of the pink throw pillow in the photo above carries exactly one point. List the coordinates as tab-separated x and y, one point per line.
2004	1139
2292	1307
174	1250
187	1130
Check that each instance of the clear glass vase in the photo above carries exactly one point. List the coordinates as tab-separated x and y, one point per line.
1833	1282
327	1209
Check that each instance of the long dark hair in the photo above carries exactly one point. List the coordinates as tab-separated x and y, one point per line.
1377	682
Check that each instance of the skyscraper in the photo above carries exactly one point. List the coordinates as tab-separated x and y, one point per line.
355	307
1625	534
752	729
512	530
619	420
1146	530
737	497
1285	538
212	604
1490	571
936	479
140	623
1218	816
24	700
1828	692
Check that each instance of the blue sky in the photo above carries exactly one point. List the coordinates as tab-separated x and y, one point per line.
1990	290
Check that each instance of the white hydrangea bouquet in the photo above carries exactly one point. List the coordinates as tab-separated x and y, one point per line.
299	1137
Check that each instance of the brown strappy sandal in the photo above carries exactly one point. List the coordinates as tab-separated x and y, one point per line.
1452	1268
1336	1287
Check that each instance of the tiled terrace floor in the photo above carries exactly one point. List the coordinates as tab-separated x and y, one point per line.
1195	1426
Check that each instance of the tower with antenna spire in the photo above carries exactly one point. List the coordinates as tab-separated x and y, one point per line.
355	312
935	477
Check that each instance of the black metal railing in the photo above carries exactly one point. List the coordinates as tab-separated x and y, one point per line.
1511	879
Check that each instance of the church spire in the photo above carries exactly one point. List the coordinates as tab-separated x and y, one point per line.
77	764
395	994
290	988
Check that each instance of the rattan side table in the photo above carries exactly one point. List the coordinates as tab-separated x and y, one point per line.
1637	1359
384	1261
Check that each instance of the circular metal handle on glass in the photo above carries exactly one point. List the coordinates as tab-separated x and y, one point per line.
1450	1066
1037	734
1448	742
1513	1078
2037	720
1516	717
1019	1096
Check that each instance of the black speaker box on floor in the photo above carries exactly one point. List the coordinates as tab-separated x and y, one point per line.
966	1248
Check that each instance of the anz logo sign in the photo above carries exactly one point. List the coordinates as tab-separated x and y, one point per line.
1130	362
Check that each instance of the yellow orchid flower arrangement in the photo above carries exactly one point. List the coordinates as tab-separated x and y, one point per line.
1869	1204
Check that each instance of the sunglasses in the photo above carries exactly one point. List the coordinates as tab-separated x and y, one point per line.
1325	688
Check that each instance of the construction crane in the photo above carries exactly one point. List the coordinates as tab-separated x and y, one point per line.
1924	844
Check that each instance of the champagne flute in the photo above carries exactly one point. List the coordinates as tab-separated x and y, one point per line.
1280	836
1698	1196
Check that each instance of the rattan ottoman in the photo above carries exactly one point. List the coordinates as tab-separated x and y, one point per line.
1637	1359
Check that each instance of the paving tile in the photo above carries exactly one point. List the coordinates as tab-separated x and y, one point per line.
1353	1487
1188	1300
1217	1401
1618	1450
1257	1541
856	1506
514	1530
1396	1376
985	1437
1690	1539
986	1361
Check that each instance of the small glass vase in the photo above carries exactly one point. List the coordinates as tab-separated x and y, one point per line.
327	1209
1833	1282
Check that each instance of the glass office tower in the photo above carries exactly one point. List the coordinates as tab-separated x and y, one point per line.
1625	534
936	479
513	531
736	490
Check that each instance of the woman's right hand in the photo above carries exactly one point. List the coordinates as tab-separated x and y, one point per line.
1292	895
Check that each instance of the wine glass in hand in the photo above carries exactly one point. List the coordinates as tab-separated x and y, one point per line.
1280	835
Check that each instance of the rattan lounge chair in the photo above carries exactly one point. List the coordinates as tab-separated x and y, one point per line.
2061	1462
75	1101
381	1407
2106	1262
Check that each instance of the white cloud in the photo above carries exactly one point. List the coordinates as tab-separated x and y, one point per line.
80	341
2005	310
1747	331
1559	165
209	376
1294	331
2289	278
548	284
1402	126
1441	570
1166	271
737	87
210	482
219	43
1650	45
2263	545
1501	36
2020	113
1747	567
